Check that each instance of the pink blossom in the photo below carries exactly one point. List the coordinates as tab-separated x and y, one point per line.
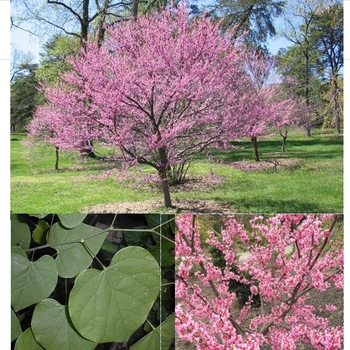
283	281
330	307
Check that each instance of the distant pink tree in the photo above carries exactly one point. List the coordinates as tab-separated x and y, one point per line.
264	107
44	128
283	278
289	109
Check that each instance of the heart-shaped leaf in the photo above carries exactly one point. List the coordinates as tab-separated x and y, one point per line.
160	338
53	330
20	233
31	282
71	220
110	305
76	247
26	341
16	329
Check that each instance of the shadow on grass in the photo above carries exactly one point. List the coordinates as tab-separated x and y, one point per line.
248	205
317	148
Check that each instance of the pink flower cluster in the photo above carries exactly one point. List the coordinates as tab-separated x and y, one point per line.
289	255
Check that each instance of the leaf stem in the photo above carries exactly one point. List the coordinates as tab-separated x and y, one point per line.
167	284
92	254
153	328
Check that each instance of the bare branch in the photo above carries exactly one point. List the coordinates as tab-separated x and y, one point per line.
66	7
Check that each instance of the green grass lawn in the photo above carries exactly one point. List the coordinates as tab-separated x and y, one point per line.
312	183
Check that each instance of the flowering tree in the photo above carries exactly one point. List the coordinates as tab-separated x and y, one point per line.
282	280
43	128
266	106
161	88
289	111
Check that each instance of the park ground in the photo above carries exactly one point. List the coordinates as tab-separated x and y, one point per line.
307	177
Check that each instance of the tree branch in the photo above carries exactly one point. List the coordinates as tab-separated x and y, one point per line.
66	7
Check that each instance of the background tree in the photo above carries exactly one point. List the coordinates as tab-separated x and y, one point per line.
328	36
289	111
292	70
255	18
19	62
77	18
299	19
266	107
24	95
69	17
53	58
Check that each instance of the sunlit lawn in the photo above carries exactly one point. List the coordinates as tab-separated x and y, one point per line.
313	184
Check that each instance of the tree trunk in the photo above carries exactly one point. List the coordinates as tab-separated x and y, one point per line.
57	157
284	137
254	141
87	150
84	22
336	106
307	92
162	173
135	9
308	130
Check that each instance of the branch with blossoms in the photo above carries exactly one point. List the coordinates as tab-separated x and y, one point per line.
289	256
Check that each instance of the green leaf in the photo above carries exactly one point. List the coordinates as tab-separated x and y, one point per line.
20	233
53	329
26	341
136	237
110	305
162	313
160	338
158	221
109	247
19	251
71	220
76	256
163	252
16	329
39	233
31	282
172	224
154	220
